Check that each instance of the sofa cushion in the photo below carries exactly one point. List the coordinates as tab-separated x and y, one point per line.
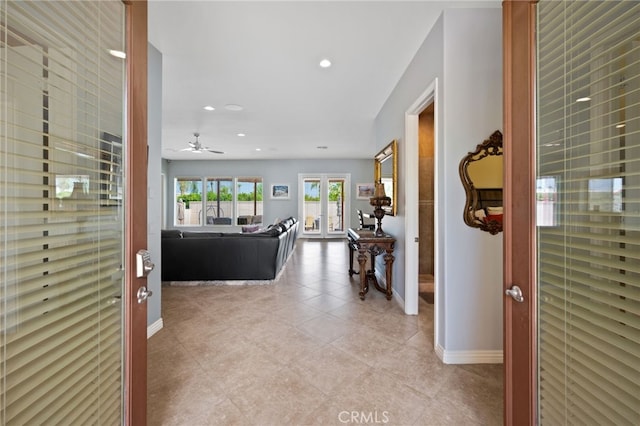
200	234
171	233
249	229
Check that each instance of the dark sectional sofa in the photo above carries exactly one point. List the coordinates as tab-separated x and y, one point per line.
204	256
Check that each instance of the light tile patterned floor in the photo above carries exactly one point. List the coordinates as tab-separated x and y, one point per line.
307	351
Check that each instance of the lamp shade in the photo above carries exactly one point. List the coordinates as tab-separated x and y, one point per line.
379	193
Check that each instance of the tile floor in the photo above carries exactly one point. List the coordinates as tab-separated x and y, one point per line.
306	350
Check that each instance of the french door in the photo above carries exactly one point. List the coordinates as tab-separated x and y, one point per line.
572	243
324	205
70	327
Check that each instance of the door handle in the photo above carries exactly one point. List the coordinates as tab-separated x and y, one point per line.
144	294
516	293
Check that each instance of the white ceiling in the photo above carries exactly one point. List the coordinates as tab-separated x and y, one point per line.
264	56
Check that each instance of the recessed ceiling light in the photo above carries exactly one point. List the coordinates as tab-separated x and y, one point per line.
117	53
585	99
209	108
241	135
258	149
325	63
233	107
620	126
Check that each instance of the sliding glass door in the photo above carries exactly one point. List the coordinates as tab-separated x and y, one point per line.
324	203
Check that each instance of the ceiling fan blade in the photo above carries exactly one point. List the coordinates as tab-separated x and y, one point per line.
187	149
214	151
192	144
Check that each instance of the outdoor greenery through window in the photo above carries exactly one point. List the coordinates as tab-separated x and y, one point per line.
222	203
188	206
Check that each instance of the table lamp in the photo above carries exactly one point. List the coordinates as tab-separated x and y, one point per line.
378	200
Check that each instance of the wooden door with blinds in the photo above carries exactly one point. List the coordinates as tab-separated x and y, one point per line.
61	214
588	212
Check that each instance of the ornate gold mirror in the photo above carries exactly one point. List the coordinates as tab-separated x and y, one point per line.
481	174
386	171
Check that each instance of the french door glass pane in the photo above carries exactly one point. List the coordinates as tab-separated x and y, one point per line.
588	203
335	197
61	214
312	206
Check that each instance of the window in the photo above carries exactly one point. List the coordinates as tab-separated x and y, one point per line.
219	201
249	200
188	205
221	204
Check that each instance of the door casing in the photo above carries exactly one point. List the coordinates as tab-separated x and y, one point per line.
412	218
324	179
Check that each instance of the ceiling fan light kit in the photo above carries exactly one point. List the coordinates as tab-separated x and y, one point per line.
197	148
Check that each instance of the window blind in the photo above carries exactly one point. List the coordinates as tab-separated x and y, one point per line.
61	241
588	147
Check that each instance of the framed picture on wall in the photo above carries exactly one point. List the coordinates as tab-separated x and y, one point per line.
364	191
280	191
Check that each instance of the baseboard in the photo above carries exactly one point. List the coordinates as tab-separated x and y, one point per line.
154	328
399	300
469	357
383	282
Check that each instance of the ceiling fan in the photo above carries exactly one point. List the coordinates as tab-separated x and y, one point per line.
197	148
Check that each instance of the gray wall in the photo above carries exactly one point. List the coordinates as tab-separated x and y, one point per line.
272	171
464	52
154	189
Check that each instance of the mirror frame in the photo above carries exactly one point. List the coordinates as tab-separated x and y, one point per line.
491	146
388	153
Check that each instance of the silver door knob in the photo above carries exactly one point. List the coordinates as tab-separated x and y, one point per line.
144	294
515	293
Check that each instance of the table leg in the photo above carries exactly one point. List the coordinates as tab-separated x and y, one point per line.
388	261
352	248
364	284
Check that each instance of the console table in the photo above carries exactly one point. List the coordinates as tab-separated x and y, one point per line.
366	242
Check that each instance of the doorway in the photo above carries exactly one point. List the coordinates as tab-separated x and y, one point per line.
426	177
428	99
324	200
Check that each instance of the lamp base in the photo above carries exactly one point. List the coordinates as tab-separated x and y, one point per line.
379	214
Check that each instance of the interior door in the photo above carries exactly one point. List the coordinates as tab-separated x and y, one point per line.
519	224
572	353
135	320
323	203
73	334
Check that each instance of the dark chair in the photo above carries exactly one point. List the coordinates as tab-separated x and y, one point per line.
364	223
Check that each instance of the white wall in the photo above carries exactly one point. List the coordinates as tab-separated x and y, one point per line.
154	207
464	53
472	112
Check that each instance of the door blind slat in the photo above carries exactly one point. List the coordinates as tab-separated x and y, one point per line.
588	212
61	219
